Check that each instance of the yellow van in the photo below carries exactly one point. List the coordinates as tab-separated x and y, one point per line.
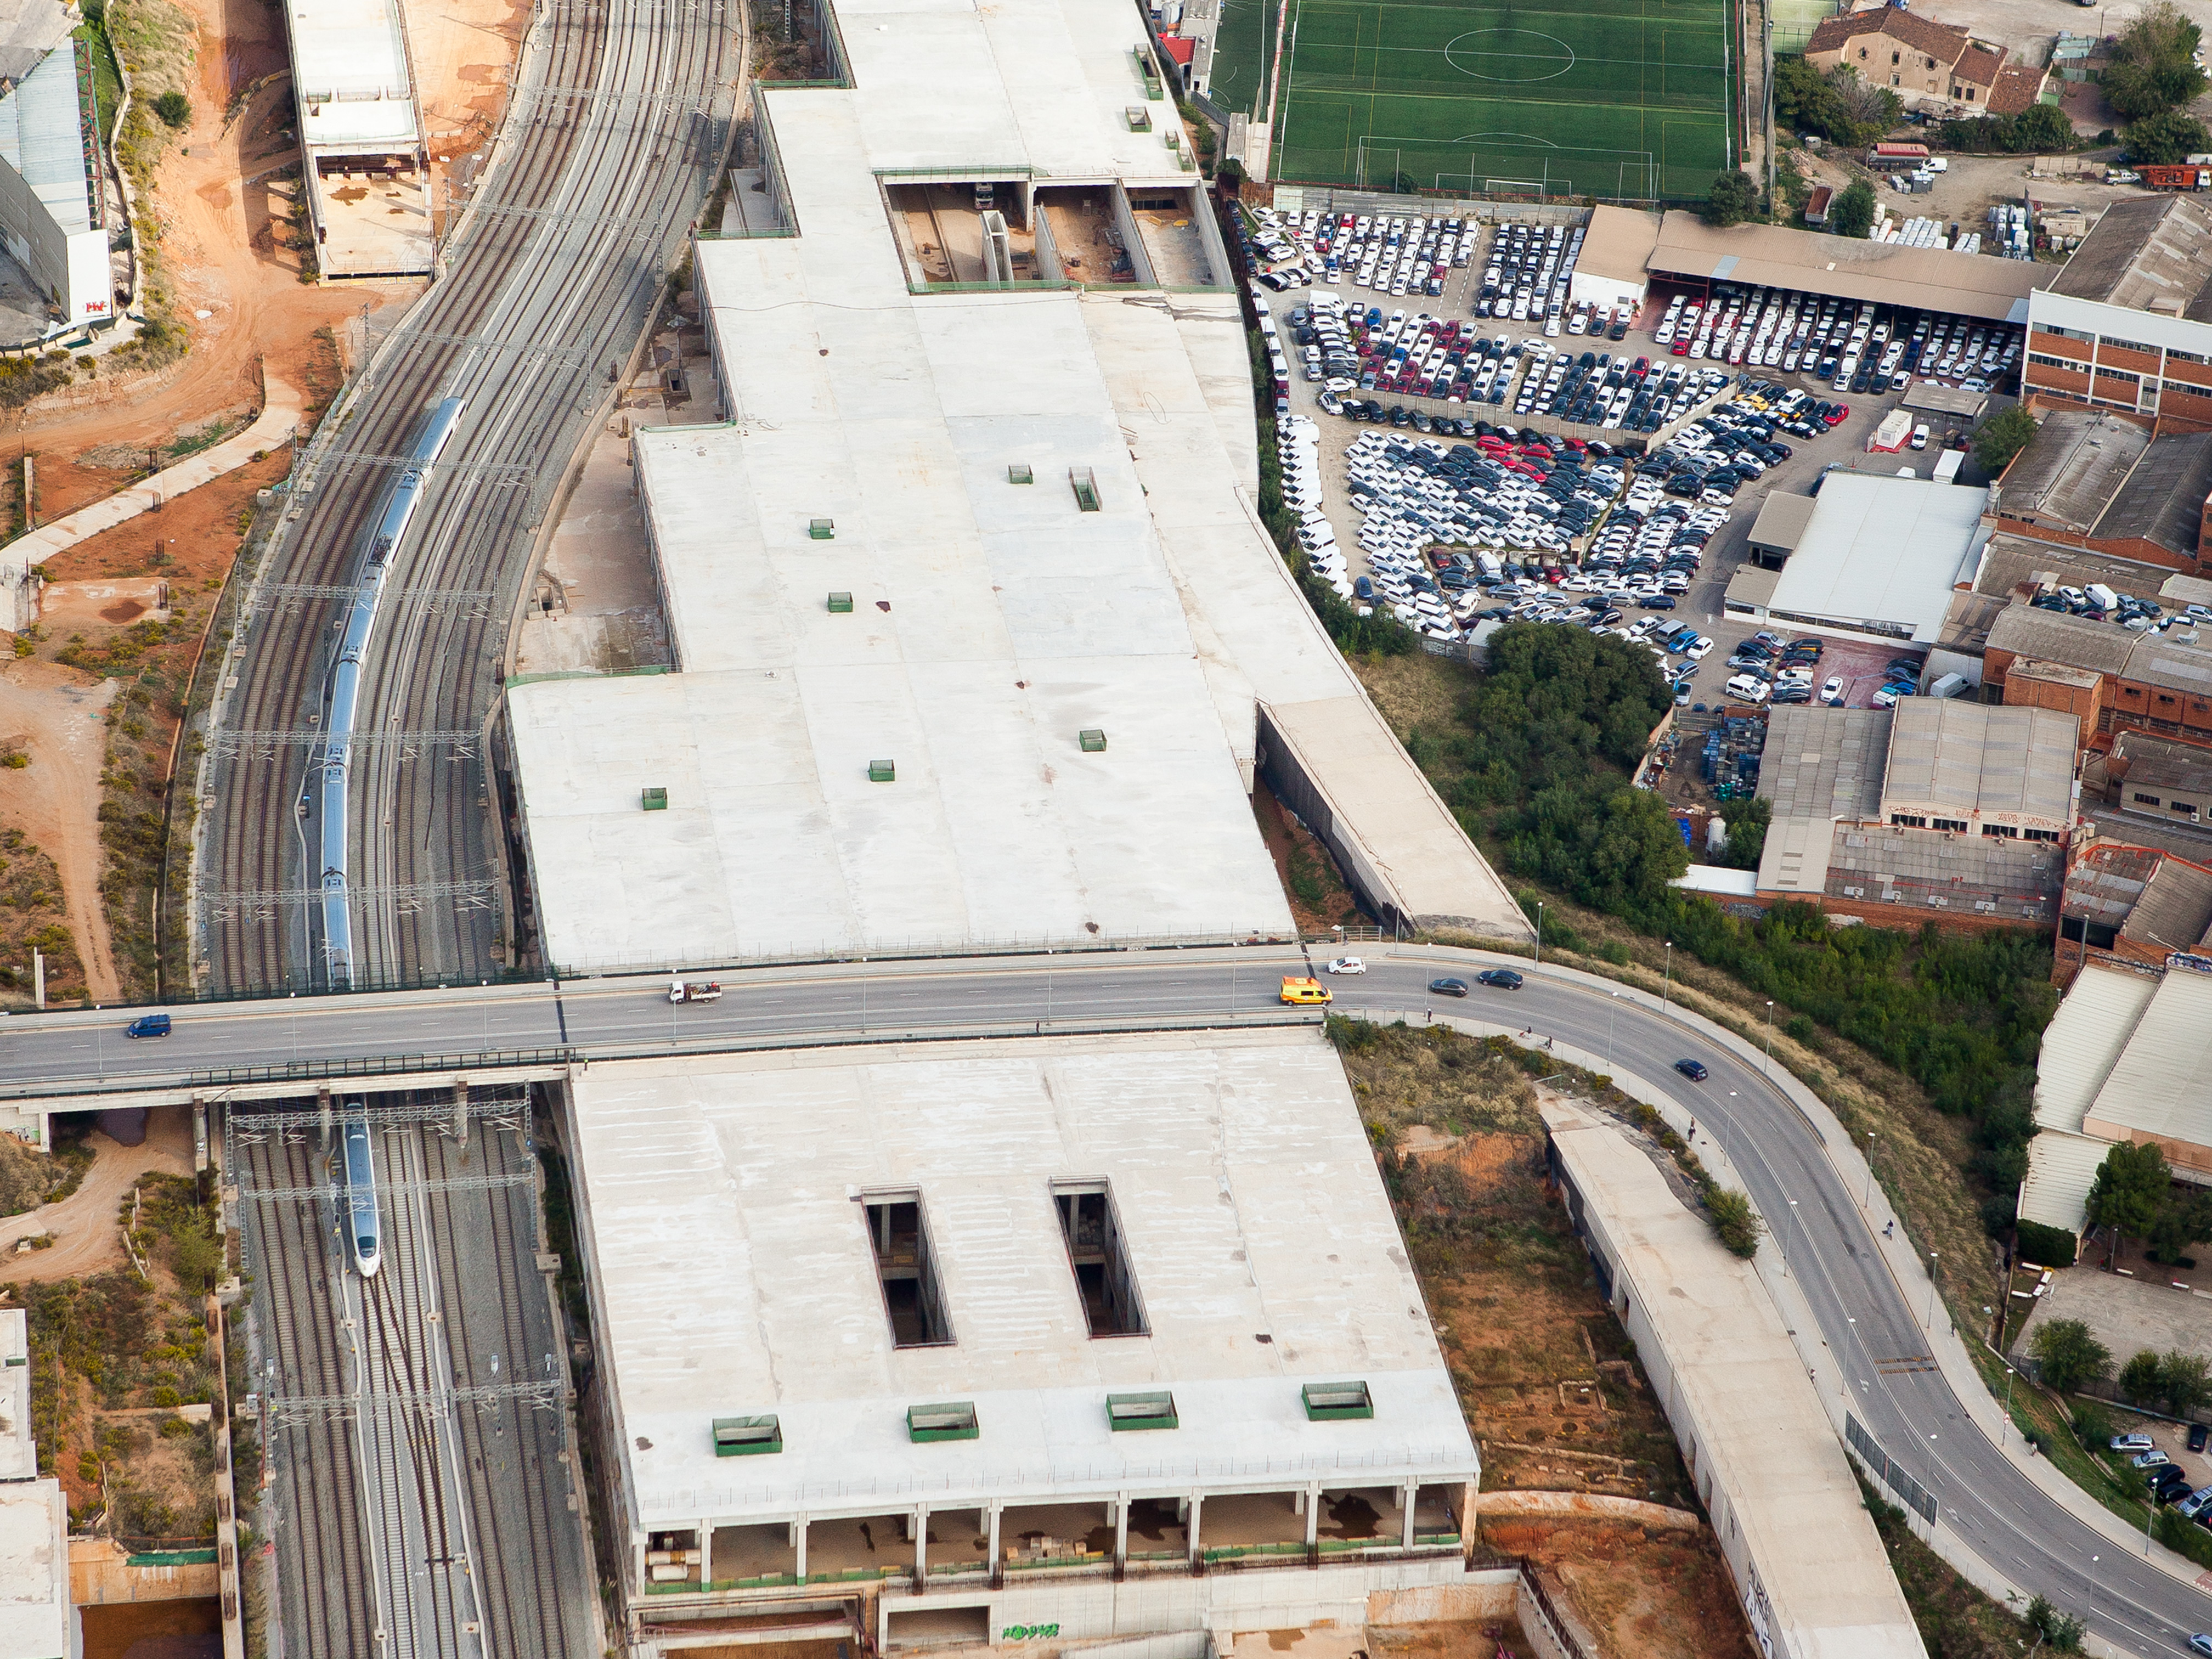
1297	991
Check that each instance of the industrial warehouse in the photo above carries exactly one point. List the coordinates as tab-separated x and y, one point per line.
947	1342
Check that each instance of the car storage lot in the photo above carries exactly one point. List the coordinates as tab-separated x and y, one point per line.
1724	554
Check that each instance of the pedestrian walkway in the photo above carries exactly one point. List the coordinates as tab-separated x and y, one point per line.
283	407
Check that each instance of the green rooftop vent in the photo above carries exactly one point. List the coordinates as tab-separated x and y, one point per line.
1086	485
822	530
1018	473
950	1421
1093	739
656	800
747	1437
841	602
1331	1402
1142	1411
1140	118
1152	88
881	772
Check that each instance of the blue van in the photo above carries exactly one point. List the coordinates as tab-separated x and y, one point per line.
148	1025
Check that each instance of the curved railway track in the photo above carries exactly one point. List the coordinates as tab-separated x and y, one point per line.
609	144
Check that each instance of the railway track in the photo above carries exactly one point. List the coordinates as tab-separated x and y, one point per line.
550	277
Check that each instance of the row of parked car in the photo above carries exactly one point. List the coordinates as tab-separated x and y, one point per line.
1530	273
2099	603
1396	254
1858	347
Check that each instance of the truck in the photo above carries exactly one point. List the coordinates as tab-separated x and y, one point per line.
695	990
1947	465
1302	991
2102	597
1896	429
1891	158
2176	177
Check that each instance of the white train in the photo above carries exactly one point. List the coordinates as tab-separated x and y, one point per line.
345	687
364	1227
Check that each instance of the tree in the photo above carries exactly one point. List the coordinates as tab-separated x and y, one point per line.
1732	199
2039	128
2170	135
1851	214
174	109
1735	1222
2180	1223
2063	1631
2131	1183
2066	1355
1871	110
2140	1377
2184	1381
2153	66
1999	439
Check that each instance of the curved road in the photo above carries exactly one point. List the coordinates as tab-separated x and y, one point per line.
1864	1313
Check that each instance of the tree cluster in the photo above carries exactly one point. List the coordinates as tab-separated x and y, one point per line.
1838	106
2037	130
2153	66
2134	1194
2167	138
1732	199
2002	436
2180	1381
1852	213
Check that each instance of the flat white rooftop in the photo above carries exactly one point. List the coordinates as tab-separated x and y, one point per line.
1783	1501
18	1452
991	622
349	69
34	1592
734	1271
1880	552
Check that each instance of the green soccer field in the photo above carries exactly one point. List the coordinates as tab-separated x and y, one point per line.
1612	97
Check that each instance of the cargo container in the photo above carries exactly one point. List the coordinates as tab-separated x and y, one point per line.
1891	157
1896	429
1947	465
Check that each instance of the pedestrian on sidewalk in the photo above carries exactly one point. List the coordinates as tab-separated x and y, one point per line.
1429	1017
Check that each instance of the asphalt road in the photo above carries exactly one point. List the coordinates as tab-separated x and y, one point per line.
1868	1319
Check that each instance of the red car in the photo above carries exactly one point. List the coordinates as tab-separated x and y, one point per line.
1838	414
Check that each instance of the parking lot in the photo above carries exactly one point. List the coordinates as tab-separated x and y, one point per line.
1726	550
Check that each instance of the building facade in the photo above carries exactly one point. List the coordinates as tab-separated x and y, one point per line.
1924	61
2128	324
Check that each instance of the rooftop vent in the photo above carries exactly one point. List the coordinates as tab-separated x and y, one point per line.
841	602
1093	740
1019	474
1331	1402
1085	487
656	800
1140	118
747	1437
1142	1411
881	771
950	1420
822	530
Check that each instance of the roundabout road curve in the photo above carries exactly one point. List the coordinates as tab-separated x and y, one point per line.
1870	1322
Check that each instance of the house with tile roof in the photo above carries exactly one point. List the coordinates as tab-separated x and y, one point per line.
1923	60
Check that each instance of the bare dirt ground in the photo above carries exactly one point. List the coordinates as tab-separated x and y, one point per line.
463	52
1316	888
56	716
1656	1595
83	1226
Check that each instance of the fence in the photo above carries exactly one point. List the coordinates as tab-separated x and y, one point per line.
1888	1471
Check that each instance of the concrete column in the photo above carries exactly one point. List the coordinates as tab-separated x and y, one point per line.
921	1547
1406	1531
1310	1501
1120	1534
991	1515
637	1563
1193	1504
706	1552
799	1548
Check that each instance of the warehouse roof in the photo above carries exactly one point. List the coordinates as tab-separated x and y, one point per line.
2084	1040
1820	765
1618	244
2072	468
1934	279
2026	630
2170	663
738	1280
2013	556
2143	758
29	30
1882	552
2152	254
1782	520
1967	757
1967	875
2161	1087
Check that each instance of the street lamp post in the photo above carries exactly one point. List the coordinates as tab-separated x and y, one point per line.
1931	1291
1770	1037
1868	1202
1785	1240
1611	1018
1667	986
1539	932
2006	1423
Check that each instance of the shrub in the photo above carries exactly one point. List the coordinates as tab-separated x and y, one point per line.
2062	1631
2047	1247
2067	1354
1732	199
1851	214
2002	436
1735	1222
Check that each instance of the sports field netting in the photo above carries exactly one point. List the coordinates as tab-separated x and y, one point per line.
1612	98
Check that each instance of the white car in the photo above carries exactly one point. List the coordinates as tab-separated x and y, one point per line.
1345	965
1745	688
1833	692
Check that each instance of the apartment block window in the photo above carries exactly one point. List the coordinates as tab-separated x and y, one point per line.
1956	826
1909	820
2129	345
2000	831
2181	806
1100	1256
898	1237
2041	835
2142	799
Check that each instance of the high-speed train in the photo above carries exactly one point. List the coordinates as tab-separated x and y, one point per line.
390	531
364	1228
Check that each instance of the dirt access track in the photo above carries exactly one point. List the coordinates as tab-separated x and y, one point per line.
87	1237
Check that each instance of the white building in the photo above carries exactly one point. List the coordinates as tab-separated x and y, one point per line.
35	1616
1879	559
982	511
359	128
50	184
951	1340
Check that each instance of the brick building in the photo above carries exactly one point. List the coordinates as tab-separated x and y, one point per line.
1923	60
2156	683
2111	481
2130	907
2128	324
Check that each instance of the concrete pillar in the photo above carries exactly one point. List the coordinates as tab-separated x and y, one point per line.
1194	1504
990	1514
921	1547
799	1548
637	1563
1120	1534
1406	1530
706	1552
1310	1501
323	1117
